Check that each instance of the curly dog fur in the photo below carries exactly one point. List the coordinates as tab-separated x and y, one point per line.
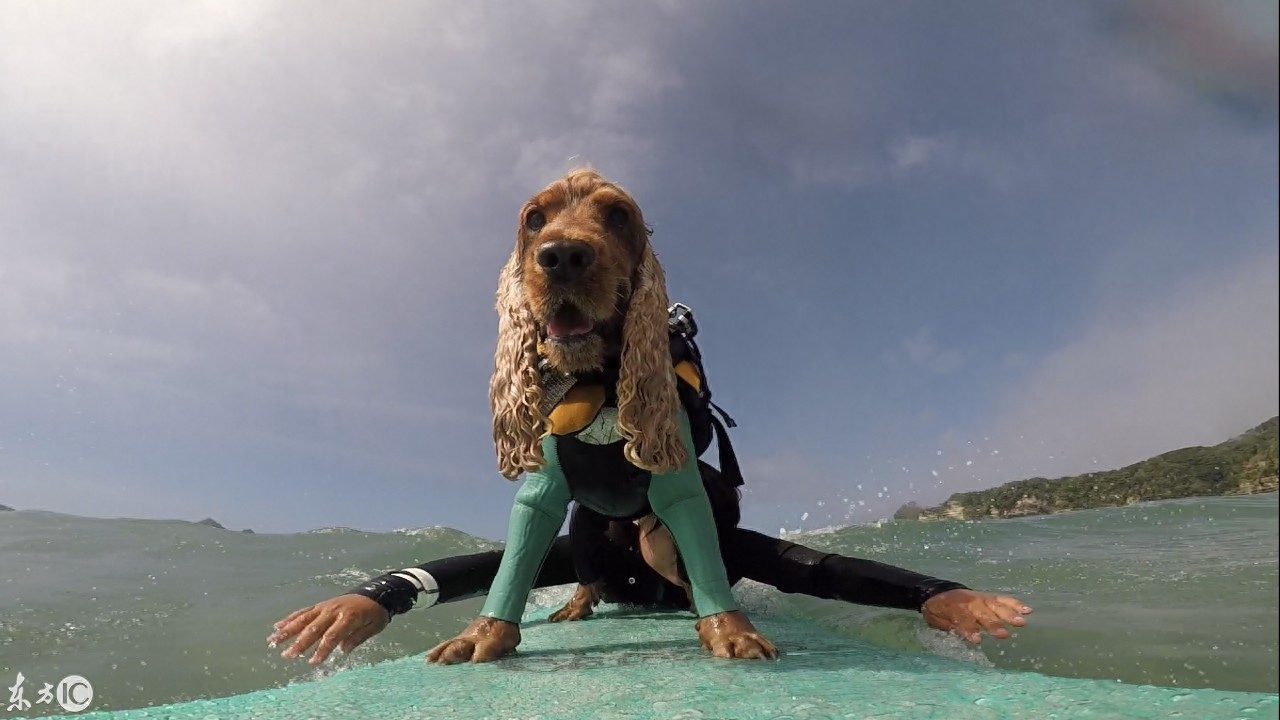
622	295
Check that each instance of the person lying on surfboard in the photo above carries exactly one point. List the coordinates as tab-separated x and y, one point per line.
635	563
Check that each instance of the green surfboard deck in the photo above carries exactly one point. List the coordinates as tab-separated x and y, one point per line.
640	666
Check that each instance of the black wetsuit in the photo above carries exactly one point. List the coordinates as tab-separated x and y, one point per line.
609	492
628	580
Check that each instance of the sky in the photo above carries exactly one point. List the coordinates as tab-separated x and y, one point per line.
249	248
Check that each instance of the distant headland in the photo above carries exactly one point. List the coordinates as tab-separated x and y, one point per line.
1240	466
207	522
215	524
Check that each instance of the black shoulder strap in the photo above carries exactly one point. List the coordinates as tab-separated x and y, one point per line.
682	329
728	459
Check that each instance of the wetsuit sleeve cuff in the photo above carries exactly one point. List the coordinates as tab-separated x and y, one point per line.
398	592
929	588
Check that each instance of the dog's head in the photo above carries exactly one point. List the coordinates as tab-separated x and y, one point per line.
581	244
583	286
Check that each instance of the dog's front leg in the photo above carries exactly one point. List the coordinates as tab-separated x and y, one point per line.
680	501
581	605
536	516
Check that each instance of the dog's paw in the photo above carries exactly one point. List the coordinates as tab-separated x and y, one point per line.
570	612
579	606
484	640
731	635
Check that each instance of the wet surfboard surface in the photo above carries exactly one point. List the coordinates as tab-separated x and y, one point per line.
621	664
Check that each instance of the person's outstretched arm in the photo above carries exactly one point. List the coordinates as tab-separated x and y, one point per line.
794	568
353	617
460	577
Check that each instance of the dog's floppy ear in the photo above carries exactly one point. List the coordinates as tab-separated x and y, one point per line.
515	393
647	399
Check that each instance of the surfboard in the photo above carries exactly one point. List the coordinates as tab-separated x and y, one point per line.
622	664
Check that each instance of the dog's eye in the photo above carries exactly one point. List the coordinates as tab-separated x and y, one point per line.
535	220
617	217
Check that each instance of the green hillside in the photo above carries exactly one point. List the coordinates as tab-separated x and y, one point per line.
1241	465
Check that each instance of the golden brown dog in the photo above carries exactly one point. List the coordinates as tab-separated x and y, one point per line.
582	289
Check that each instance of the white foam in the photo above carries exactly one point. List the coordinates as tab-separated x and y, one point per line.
947	645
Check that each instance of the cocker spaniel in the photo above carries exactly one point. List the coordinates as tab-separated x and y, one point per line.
585	406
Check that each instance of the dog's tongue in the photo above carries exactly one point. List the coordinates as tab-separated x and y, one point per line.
568	325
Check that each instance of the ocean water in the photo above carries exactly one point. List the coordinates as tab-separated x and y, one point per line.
1180	593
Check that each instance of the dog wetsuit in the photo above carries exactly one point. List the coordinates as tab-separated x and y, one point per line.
584	462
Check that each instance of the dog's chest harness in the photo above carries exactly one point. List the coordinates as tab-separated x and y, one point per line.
584	422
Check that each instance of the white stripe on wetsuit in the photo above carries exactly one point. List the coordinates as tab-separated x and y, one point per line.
423	581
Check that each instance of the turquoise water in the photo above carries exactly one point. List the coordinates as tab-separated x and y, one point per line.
1180	593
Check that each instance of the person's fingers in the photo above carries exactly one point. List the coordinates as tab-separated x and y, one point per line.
308	636
992	624
968	629
297	618
336	632
285	630
1008	613
1013	603
293	615
359	635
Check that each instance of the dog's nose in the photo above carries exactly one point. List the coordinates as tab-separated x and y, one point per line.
565	260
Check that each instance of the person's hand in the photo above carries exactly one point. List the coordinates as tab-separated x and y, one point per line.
346	619
967	613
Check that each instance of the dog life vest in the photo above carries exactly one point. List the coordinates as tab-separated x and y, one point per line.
583	421
586	464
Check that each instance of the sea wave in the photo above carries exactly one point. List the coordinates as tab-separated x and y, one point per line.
159	612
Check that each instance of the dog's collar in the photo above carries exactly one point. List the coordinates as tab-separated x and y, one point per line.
557	383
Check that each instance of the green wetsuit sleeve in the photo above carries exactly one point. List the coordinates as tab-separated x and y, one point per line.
536	516
680	501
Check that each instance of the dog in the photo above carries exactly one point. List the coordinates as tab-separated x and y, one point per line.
585	405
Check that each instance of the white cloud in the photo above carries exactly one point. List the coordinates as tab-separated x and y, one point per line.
1196	366
232	185
915	151
902	157
922	351
915	154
